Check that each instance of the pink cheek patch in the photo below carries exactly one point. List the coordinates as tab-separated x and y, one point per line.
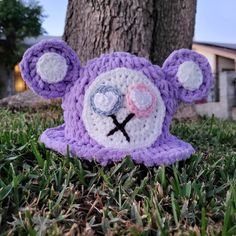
141	100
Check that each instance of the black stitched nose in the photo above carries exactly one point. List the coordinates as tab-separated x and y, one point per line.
121	126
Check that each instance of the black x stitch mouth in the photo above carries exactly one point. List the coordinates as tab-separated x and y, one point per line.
121	126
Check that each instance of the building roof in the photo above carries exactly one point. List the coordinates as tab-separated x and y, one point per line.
31	41
231	46
222	49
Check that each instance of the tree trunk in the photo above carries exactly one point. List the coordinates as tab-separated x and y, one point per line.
10	82
149	28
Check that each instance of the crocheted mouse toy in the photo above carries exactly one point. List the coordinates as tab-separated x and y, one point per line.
118	104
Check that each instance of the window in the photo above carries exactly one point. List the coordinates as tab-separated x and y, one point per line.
20	84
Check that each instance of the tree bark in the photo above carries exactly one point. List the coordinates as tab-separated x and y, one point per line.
148	28
10	82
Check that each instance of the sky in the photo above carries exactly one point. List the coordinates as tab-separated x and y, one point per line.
215	19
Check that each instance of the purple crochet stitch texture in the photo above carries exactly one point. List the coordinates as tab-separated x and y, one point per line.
165	149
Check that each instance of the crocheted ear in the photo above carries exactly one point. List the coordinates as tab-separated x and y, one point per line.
48	67
190	72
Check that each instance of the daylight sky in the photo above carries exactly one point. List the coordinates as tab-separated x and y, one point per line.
215	19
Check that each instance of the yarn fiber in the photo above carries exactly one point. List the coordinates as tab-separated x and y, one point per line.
118	104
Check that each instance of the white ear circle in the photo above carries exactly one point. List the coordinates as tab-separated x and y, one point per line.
190	75
51	67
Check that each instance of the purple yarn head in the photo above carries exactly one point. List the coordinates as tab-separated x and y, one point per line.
118	104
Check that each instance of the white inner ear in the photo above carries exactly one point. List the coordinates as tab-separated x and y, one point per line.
190	75
51	67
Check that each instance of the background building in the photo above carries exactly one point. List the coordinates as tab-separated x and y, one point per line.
18	84
221	102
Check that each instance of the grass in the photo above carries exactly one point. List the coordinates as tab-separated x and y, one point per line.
43	193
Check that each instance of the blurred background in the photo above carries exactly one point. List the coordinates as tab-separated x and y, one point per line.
92	28
215	20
